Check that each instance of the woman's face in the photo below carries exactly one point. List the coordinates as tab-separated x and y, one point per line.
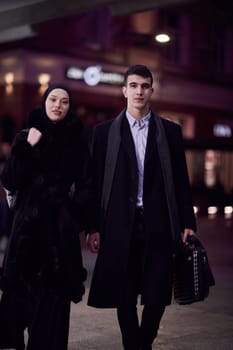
57	104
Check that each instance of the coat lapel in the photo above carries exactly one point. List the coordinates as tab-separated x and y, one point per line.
119	138
151	139
127	141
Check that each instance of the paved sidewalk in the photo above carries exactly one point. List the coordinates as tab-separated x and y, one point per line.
204	325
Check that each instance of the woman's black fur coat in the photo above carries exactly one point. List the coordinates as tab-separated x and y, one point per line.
44	245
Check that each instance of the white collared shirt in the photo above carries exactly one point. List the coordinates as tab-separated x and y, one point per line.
139	130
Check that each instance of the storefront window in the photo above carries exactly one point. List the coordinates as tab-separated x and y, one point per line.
211	175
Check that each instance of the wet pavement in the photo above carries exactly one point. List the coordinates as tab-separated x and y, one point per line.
204	325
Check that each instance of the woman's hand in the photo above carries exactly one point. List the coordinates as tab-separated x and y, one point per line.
34	136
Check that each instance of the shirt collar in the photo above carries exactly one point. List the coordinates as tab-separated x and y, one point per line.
132	121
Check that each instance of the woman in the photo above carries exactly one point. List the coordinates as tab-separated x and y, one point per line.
49	170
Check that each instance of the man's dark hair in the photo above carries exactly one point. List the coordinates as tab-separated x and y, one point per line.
138	69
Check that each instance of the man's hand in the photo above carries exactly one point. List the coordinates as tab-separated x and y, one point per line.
34	136
187	232
93	241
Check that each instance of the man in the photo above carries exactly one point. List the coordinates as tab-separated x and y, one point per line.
145	207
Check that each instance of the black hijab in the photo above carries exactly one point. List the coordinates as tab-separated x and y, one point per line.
58	136
39	119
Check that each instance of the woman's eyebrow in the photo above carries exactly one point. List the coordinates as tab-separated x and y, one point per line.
62	98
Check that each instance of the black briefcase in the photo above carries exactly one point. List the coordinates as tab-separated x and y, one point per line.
192	273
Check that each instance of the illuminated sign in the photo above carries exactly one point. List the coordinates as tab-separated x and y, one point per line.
222	130
94	75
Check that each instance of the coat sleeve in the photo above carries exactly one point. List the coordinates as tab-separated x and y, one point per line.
181	178
83	205
20	164
99	148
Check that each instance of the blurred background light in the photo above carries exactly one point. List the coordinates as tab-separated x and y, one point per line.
43	79
162	38
212	210
196	209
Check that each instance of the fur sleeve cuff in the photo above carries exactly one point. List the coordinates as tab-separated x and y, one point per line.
23	147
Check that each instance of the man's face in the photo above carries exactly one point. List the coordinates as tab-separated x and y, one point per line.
138	91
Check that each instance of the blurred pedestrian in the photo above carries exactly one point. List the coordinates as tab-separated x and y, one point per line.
43	270
143	193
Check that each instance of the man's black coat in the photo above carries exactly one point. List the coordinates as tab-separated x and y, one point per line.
115	225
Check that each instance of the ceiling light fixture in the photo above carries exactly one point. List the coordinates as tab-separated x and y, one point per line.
162	38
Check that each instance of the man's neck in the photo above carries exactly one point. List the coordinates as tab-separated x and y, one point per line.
138	114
